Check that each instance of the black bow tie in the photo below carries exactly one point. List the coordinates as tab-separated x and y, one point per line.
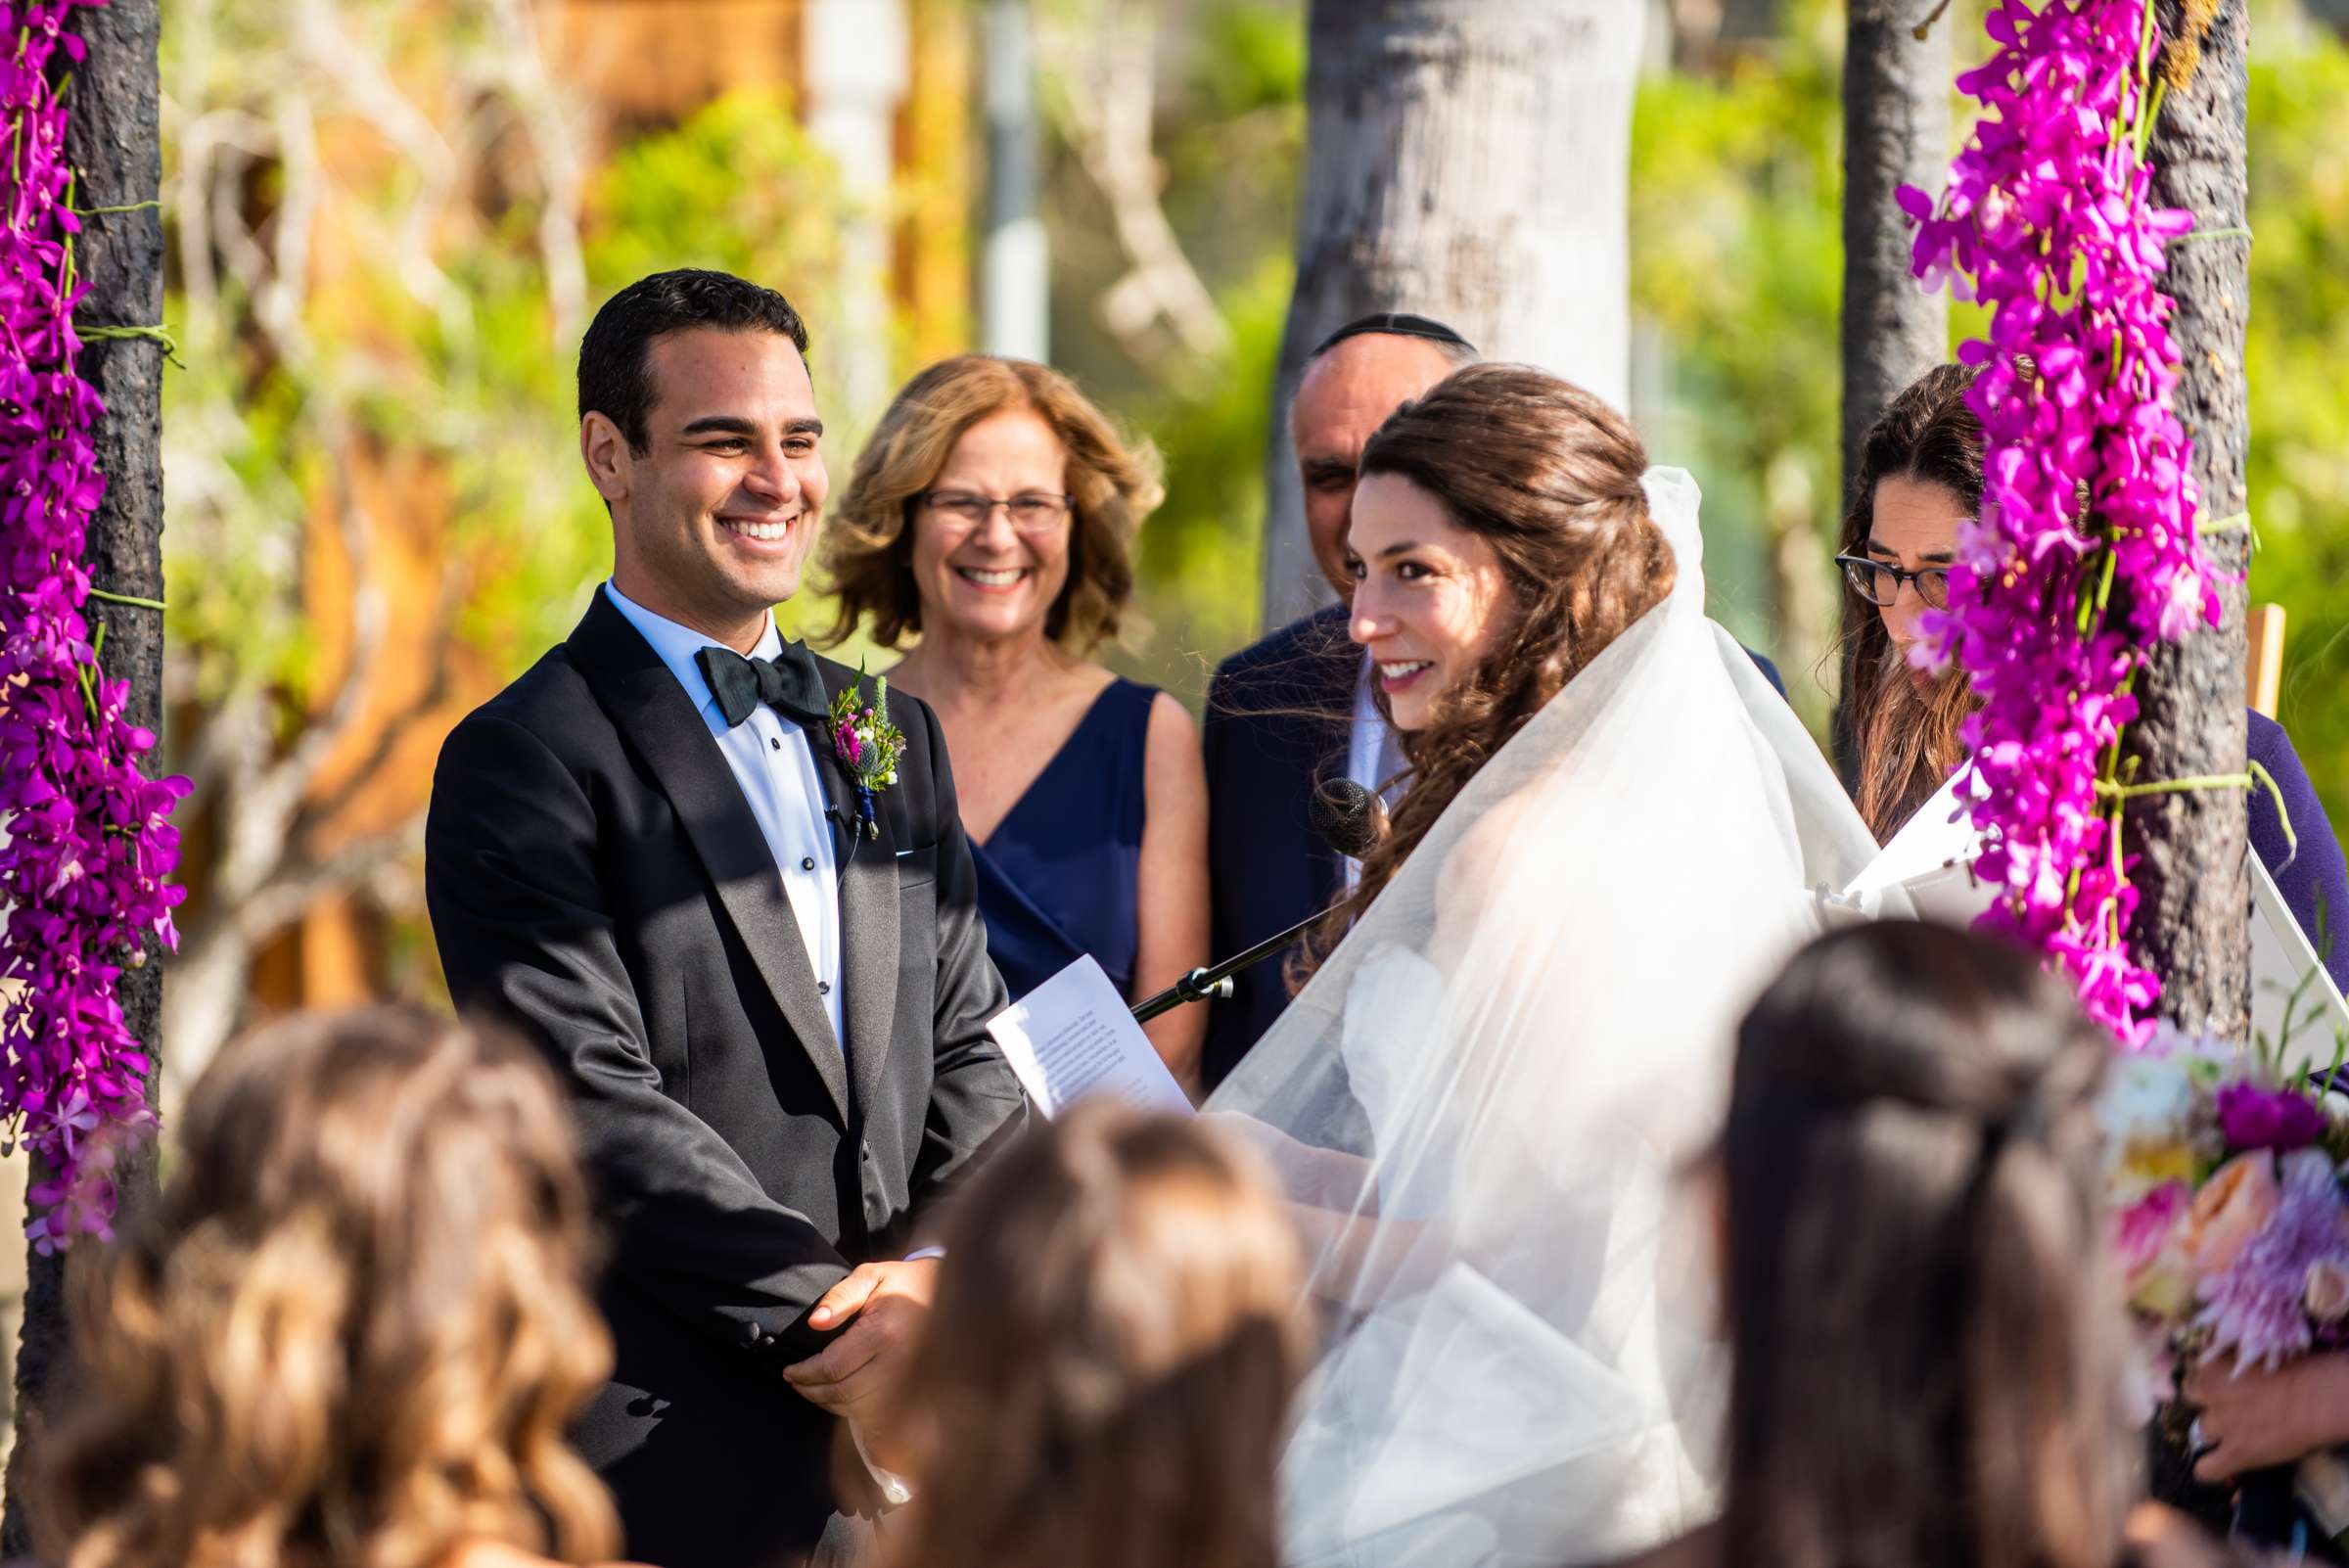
789	683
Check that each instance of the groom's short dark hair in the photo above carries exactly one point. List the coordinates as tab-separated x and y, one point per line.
616	377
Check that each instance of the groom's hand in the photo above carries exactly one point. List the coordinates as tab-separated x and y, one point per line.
884	1305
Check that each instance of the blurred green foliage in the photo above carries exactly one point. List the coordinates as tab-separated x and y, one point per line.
1229	136
1737	261
443	361
1737	270
2299	464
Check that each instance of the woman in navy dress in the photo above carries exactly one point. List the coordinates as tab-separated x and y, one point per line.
989	524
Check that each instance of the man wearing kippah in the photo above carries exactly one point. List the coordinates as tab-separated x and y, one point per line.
1295	709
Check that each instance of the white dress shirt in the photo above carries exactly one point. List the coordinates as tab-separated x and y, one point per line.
775	766
1372	754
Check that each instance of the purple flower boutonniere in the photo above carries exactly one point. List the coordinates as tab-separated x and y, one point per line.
868	744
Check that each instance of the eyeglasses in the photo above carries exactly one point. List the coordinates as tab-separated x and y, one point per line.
1879	581
1032	512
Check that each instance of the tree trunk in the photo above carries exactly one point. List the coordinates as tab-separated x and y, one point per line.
111	140
2192	927
1896	132
1471	164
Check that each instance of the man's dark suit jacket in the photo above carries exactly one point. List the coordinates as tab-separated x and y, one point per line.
596	879
1279	718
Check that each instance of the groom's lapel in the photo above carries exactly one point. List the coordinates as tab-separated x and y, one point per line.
868	904
655	715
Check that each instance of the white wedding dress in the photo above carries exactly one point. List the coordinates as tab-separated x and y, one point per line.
1486	1104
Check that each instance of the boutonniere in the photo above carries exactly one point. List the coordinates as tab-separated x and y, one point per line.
868	744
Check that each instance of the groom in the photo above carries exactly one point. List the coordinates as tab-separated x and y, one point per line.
771	1019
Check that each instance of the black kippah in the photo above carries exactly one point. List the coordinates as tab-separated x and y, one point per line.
1394	324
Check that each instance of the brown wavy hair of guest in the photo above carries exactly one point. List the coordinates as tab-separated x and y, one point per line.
352	1329
1110	1357
1922	1320
868	543
1903	743
1548	477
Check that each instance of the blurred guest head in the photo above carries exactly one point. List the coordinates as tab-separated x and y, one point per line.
1110	1357
1500	541
1919	478
351	1331
697	425
1353	380
1925	1333
993	502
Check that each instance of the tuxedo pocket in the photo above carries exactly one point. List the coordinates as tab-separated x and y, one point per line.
917	868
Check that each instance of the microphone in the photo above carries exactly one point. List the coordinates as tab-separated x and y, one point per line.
1347	817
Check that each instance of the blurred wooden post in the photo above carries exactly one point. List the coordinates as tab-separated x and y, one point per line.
2263	682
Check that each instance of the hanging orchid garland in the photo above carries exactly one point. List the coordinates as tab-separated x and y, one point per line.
88	841
2047	219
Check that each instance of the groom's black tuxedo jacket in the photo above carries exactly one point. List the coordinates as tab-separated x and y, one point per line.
596	877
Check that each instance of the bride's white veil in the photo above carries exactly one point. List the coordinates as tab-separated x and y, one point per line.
1486	1102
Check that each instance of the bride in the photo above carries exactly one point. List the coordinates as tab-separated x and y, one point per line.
1483	1099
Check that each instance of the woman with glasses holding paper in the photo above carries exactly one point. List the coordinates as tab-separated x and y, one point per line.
1919	480
987	531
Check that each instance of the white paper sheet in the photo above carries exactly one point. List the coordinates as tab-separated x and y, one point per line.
1930	861
1074	1037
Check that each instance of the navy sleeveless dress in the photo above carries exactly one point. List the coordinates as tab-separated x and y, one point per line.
1059	876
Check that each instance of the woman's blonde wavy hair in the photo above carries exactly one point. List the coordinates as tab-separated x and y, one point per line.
353	1328
1548	477
868	543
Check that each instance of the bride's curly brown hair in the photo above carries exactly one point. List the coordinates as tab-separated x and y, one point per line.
351	1331
1548	477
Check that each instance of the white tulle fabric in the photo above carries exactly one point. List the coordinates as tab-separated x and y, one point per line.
1485	1105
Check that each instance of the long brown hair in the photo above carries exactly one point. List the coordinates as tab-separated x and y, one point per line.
1903	744
1110	1356
1548	477
351	1331
1923	1321
868	541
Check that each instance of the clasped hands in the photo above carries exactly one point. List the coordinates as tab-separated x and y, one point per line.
2263	1418
884	1306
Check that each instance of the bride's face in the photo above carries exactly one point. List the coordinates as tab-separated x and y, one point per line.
1429	596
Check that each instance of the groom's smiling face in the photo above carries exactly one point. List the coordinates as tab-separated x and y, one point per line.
711	522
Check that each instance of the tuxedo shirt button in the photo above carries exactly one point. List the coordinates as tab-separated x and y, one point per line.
774	742
823	987
806	863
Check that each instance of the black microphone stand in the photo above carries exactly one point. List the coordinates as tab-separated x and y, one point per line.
1215	980
1350	819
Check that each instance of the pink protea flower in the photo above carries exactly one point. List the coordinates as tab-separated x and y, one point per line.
2155	1272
